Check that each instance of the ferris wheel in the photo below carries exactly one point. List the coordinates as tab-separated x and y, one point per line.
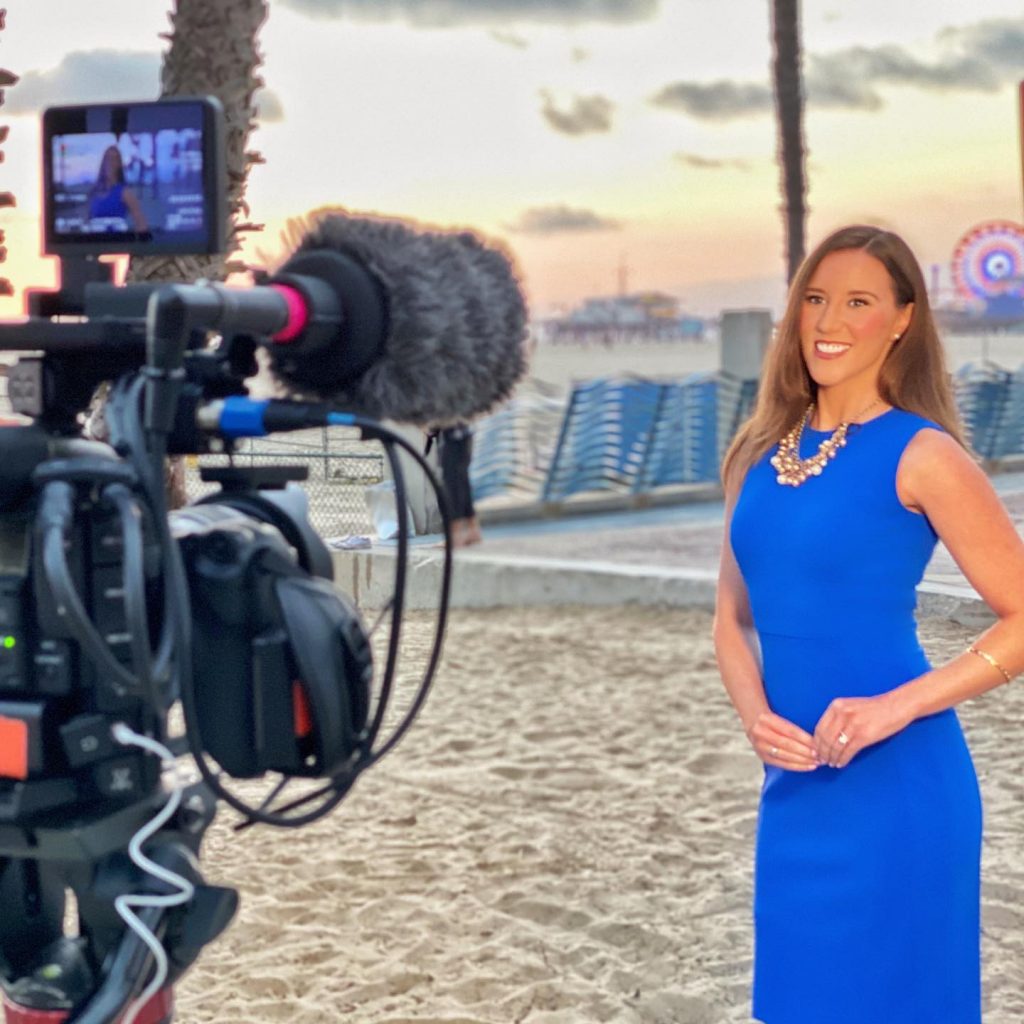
988	261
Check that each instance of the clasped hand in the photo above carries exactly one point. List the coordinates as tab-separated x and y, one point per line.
862	721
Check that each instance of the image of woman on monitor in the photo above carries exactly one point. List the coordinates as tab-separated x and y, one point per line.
111	202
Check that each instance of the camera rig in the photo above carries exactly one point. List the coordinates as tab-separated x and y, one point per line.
118	617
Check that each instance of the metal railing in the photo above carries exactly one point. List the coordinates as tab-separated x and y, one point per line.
627	435
632	436
340	468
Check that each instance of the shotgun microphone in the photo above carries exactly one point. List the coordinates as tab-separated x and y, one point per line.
398	322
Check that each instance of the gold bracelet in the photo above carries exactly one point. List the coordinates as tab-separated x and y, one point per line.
992	661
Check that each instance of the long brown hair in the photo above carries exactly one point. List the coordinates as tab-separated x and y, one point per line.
102	184
913	376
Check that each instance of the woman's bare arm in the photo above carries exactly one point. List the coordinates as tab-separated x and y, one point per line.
134	208
940	479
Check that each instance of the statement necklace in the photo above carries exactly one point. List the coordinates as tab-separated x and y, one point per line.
793	470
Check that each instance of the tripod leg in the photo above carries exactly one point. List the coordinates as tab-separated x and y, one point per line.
32	897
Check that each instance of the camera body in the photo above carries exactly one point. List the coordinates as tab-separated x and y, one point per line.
281	664
55	706
118	616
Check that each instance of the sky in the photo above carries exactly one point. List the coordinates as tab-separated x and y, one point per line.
606	142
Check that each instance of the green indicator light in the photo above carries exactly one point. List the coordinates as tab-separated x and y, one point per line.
9	642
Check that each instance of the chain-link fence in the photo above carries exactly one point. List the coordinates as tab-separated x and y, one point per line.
517	452
340	468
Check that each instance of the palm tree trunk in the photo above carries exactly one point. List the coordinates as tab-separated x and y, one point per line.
789	108
213	52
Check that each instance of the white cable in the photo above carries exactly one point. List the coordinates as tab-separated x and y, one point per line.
124	903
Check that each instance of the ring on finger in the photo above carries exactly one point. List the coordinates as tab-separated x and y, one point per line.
773	751
842	739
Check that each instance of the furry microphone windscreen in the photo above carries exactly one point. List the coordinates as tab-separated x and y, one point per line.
455	331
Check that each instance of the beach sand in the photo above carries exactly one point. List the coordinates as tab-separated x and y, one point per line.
565	836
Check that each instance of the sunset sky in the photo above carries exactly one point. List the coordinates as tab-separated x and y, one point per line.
588	134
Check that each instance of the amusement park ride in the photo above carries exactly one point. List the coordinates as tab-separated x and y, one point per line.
988	275
988	270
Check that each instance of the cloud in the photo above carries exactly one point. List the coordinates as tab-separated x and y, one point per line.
103	76
715	101
849	79
975	58
448	13
88	76
998	41
588	114
553	220
707	163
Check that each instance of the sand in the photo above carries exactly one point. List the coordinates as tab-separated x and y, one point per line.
565	836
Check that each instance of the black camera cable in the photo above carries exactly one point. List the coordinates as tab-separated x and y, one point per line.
343	781
397	603
124	418
134	588
434	658
56	512
146	451
372	429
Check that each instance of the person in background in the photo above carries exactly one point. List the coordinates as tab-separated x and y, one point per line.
455	452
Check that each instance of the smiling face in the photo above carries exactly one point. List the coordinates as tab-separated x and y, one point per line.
849	320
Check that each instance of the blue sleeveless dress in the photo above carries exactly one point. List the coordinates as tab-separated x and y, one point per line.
867	878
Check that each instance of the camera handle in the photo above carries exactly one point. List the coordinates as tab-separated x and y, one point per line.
75	273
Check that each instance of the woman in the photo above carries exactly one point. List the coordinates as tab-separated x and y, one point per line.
866	901
110	197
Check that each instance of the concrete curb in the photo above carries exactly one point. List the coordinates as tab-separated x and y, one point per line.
597	504
496	581
957	602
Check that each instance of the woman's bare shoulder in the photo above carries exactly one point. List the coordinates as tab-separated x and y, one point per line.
934	464
932	449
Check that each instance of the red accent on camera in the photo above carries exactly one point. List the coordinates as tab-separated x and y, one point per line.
298	314
300	711
159	1010
13	748
14	1014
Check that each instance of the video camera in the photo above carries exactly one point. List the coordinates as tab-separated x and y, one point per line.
118	616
